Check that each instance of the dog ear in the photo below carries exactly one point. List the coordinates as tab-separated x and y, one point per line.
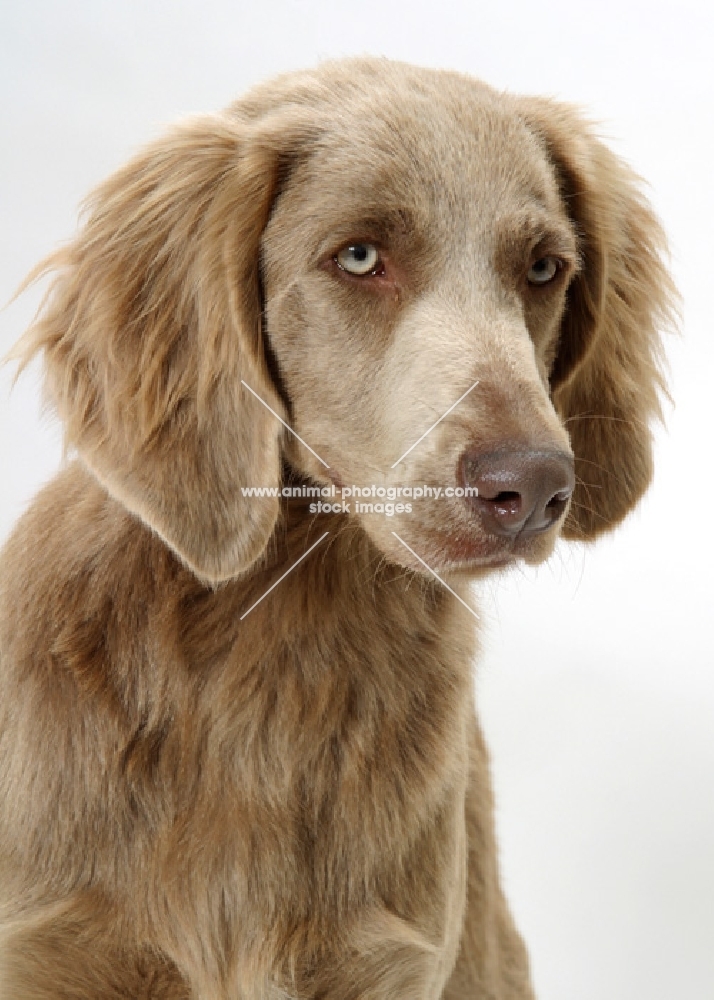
152	327
607	374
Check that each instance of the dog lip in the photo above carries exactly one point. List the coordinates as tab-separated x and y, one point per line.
486	553
477	567
476	551
493	562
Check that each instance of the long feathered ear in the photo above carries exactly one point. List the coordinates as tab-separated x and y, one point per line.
607	375
153	324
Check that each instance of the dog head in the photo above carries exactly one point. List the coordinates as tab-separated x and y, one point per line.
430	283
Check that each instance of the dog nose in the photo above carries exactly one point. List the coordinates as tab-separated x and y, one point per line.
520	491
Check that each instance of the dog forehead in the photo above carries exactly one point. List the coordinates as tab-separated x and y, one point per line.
447	147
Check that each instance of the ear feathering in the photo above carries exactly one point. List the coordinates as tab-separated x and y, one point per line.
608	377
151	322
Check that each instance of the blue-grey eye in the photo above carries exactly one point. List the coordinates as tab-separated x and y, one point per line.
544	270
358	258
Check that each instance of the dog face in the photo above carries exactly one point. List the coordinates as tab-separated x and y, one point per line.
430	282
451	200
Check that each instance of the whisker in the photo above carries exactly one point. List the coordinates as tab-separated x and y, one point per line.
590	510
606	416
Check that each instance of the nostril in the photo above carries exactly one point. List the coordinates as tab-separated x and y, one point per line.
554	508
507	502
560	498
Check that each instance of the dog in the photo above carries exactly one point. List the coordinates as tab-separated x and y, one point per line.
239	755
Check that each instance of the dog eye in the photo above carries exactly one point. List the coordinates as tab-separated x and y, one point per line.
358	258
544	270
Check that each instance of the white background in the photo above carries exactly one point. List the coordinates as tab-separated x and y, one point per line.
597	680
